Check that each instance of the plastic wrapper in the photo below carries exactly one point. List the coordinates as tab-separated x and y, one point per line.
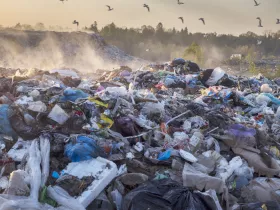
45	156
63	198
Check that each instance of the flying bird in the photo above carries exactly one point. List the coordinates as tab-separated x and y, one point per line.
109	8
62	1
260	22
259	42
181	18
203	21
147	6
278	21
256	3
77	23
180	2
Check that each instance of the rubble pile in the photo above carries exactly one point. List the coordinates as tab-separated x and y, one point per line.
168	136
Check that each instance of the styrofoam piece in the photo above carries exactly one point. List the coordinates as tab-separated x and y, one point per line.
188	156
103	170
19	150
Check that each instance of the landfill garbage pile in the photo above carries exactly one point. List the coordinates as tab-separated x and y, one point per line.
167	136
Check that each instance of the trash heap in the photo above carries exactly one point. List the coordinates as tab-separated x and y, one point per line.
169	136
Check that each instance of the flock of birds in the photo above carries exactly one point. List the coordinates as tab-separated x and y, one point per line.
181	18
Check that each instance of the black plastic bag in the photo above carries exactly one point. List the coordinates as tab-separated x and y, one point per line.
26	132
164	194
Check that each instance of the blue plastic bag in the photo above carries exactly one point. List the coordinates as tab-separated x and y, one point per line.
70	94
84	148
164	155
5	126
272	98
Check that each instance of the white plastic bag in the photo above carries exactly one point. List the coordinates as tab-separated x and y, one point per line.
117	199
116	91
63	198
58	115
22	204
187	126
216	75
278	113
37	106
34	162
45	156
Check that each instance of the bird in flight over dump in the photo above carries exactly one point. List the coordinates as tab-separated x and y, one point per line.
180	2
109	8
77	23
181	18
62	1
256	3
260	22
278	21
203	21
147	6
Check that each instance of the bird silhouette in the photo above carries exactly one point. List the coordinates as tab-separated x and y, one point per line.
278	21
77	23
181	18
147	6
256	3
109	8
62	1
203	21
260	22
180	2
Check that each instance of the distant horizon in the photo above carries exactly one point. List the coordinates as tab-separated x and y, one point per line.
82	29
222	17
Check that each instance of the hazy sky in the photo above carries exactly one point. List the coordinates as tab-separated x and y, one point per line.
221	16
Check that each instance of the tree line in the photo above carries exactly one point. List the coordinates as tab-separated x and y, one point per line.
161	44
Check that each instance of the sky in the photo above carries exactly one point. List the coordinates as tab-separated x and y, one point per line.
221	16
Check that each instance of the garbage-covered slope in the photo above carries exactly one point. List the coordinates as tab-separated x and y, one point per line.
47	50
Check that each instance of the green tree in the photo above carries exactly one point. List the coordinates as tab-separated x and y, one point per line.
94	27
194	52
